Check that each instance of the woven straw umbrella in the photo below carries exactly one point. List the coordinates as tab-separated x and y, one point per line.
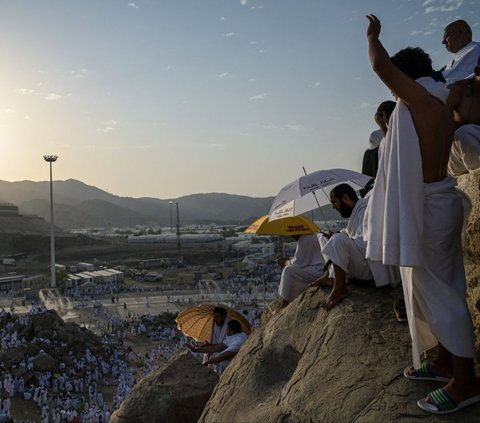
197	321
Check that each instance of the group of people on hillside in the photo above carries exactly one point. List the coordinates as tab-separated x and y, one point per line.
408	227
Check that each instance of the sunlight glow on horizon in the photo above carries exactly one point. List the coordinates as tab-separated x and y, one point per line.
158	99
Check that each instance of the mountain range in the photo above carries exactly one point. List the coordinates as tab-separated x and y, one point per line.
78	205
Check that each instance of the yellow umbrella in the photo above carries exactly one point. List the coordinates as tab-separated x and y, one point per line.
296	225
197	321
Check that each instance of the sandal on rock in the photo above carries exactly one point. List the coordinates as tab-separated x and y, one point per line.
424	373
440	402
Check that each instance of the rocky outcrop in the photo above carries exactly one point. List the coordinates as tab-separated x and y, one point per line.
308	365
176	393
471	244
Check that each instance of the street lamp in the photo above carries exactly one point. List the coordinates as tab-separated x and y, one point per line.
171	218
178	228
51	159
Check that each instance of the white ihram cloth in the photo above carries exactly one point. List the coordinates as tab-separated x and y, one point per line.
465	154
463	63
233	344
305	266
423	241
219	334
347	250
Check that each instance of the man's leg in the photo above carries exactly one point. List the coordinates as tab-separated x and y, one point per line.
464	383
324	280
442	365
465	153
339	291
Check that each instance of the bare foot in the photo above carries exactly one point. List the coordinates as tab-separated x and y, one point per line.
324	281
335	297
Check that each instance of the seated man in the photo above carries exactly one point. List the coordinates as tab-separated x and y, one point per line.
457	39
225	350
464	99
306	265
347	249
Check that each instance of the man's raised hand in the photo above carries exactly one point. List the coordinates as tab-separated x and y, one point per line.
374	27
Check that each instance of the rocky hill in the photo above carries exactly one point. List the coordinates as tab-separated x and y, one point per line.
307	365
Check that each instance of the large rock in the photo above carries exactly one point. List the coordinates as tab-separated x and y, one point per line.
470	183
44	363
175	393
13	356
306	365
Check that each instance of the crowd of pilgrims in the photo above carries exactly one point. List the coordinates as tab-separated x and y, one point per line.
75	392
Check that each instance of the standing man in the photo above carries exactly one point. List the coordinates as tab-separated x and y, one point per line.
414	220
219	332
457	39
370	157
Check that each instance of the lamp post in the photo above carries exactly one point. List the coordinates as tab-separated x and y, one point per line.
51	159
171	218
178	229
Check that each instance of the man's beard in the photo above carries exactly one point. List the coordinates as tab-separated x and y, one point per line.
344	210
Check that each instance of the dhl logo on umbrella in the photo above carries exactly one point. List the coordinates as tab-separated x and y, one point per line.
296	228
298	225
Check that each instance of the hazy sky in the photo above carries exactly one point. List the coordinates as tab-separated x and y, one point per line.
166	98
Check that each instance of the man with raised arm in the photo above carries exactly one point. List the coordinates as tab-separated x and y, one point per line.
414	219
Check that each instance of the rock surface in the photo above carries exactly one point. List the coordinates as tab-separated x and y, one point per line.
471	245
306	365
175	393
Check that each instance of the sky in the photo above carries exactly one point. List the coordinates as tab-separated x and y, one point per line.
165	98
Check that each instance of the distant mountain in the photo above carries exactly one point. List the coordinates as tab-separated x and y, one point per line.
78	205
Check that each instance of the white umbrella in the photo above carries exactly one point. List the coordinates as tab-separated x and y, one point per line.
312	191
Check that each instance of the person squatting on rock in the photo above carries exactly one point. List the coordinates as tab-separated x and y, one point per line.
306	264
226	350
464	99
346	250
414	220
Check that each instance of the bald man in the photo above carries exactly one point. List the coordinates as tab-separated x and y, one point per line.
457	39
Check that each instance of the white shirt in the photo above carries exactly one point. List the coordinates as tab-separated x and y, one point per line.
234	342
308	252
463	63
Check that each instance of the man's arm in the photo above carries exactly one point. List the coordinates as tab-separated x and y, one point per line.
227	355
454	99
400	84
207	349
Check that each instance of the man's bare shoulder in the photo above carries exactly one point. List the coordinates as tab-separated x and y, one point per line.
459	85
456	92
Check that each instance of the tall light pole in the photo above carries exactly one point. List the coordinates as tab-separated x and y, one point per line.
171	216
53	284
178	229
